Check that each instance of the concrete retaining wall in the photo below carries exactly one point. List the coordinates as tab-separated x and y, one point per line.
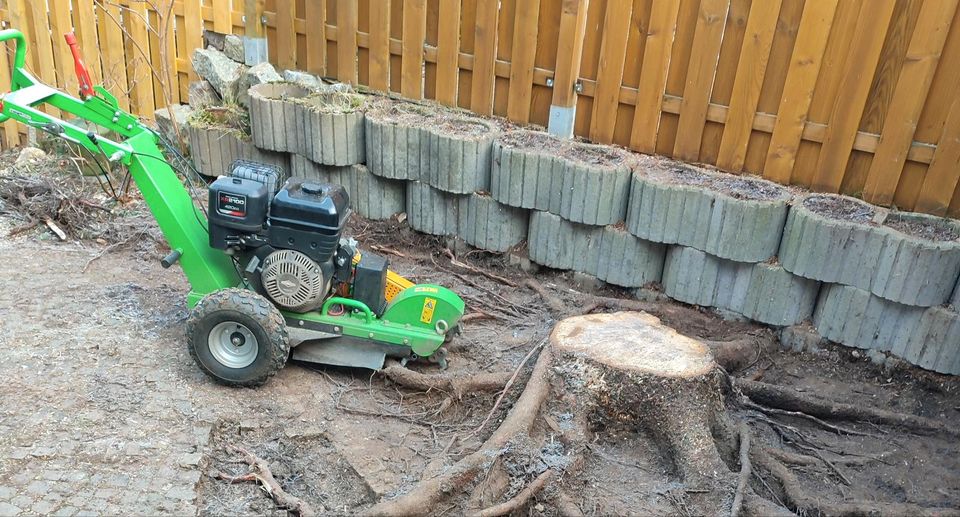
392	149
582	183
719	221
433	211
214	149
370	196
607	252
489	225
273	116
927	337
457	161
869	256
761	292
330	137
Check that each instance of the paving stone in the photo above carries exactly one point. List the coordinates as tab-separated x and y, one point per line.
370	196
332	127
38	487
433	211
928	337
223	73
580	182
761	292
214	150
871	256
273	116
733	217
9	509
489	225
607	252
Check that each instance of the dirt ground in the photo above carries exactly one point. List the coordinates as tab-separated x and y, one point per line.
102	411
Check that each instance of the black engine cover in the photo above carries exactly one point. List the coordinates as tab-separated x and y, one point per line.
308	216
237	207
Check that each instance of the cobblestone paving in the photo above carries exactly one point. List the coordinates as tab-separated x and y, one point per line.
102	411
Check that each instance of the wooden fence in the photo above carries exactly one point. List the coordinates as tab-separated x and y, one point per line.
852	96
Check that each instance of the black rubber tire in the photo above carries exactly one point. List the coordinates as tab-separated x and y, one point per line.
257	314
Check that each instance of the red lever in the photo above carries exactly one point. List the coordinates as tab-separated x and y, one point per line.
86	85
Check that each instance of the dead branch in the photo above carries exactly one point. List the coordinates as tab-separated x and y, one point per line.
454	384
453	260
260	472
428	493
745	470
477	315
798	414
517	501
771	395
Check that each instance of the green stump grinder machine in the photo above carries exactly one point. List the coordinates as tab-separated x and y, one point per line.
271	275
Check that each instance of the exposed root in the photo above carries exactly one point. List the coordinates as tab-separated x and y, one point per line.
745	470
555	305
517	501
771	395
803	503
453	260
428	493
509	383
798	414
454	385
260	473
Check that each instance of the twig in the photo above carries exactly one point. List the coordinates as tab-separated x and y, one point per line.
453	260
800	414
745	470
506	388
260	472
517	501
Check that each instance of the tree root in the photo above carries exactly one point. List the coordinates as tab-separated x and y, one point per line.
745	470
555	305
780	397
455	385
517	501
428	493
805	504
260	472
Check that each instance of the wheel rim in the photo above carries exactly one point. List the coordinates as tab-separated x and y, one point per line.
233	345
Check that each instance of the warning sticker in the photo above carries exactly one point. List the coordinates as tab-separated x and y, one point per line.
426	315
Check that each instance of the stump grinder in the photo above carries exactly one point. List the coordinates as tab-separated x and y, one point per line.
271	275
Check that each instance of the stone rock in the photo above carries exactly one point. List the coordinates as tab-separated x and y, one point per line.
173	119
201	95
303	78
30	155
258	74
214	40
233	47
223	73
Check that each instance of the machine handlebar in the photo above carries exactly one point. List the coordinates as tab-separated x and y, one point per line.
21	55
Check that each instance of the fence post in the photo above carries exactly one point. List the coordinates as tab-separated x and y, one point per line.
563	109
255	39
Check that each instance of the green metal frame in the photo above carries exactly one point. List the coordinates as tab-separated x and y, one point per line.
185	227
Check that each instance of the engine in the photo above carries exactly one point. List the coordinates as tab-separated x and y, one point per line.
288	241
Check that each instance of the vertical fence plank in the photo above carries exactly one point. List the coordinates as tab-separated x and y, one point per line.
222	16
286	34
317	36
746	87
380	45
111	41
919	65
138	59
700	74
573	20
432	35
653	75
347	41
799	87
192	30
484	56
524	53
448	52
414	32
11	128
505	27
852	96
941	179
613	50
86	24
60	24
38	39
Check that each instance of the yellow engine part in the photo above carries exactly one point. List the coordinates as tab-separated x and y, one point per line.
395	282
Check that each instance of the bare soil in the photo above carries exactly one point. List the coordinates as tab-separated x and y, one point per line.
344	439
596	155
922	228
737	187
334	102
431	115
840	208
538	141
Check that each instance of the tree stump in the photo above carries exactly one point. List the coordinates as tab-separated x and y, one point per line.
628	368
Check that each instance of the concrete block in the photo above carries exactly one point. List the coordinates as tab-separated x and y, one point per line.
273	117
201	94
332	125
371	197
871	254
927	337
223	73
214	149
489	225
393	149
433	211
955	299
609	253
761	292
732	217
459	151
583	183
